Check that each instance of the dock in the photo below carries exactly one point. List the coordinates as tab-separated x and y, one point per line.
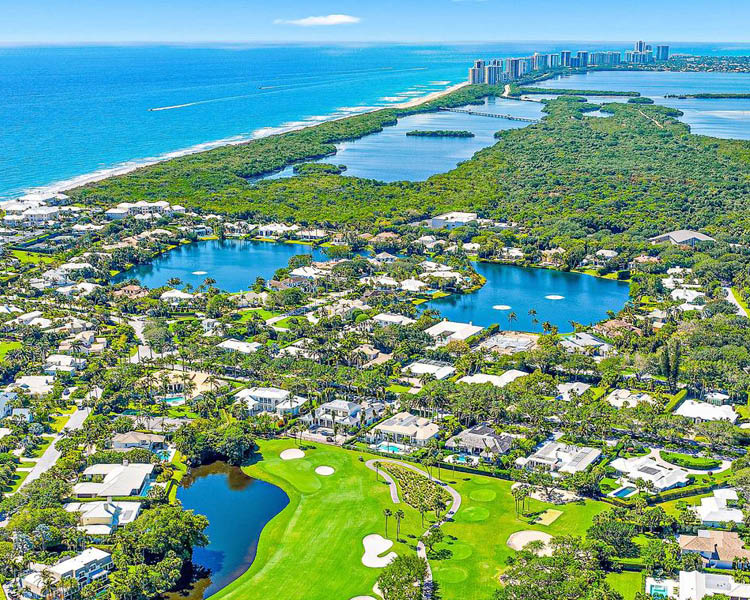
478	113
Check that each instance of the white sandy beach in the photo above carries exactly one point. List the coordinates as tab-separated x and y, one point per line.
134	165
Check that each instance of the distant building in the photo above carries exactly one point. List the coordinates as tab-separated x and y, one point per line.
565	58
662	52
476	73
682	237
639	46
583	58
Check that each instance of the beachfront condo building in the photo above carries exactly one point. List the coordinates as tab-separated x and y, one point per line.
662	52
565	58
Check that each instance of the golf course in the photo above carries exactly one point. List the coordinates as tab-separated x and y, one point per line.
313	549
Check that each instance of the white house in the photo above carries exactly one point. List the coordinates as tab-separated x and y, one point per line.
233	345
103	517
89	566
270	400
703	411
560	457
662	476
106	480
451	220
566	391
496	380
385	319
681	237
449	331
715	510
405	428
439	370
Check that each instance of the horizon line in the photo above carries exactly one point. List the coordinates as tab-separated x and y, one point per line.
79	43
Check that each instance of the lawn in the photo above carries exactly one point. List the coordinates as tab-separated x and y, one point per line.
58	421
31	257
627	583
688	461
18	478
264	314
6	347
312	550
46	441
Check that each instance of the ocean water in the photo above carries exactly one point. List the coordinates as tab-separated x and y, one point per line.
68	112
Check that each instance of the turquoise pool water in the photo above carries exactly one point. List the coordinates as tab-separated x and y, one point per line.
624	492
386	447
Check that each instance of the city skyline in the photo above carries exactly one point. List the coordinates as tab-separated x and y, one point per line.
419	21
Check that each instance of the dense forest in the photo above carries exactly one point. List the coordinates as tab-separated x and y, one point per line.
636	173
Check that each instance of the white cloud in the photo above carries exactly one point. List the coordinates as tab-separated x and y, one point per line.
320	21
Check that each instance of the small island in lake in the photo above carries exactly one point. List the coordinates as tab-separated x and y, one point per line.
440	133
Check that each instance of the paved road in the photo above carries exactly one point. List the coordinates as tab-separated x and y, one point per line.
455	505
732	300
51	454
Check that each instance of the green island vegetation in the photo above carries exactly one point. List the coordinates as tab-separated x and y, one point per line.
574	92
711	95
440	133
311	169
640	100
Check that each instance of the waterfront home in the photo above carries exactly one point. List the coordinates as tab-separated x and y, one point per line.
703	411
568	391
102	517
438	369
6	398
386	258
380	282
273	230
344	413
309	273
481	440
559	457
233	345
107	480
385	319
413	285
270	400
682	237
175	297
448	331
509	343
686	295
311	235
250	299
496	380
615	328
719	549
137	439
718	509
91	565
661	475
404	428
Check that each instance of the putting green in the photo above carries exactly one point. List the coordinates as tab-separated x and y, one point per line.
483	495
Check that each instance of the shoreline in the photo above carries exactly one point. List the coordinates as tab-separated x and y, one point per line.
133	165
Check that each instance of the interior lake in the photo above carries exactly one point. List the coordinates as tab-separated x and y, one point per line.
237	508
556	296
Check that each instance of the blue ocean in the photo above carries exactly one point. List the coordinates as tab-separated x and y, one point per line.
71	114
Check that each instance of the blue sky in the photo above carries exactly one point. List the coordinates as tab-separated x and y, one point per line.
69	21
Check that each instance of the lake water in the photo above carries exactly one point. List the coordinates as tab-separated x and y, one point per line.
720	117
237	507
391	155
556	296
234	264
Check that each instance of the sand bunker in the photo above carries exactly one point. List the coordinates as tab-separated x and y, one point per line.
501	307
519	539
292	453
324	470
375	545
554	297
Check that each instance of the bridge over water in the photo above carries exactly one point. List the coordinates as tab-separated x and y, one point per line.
478	113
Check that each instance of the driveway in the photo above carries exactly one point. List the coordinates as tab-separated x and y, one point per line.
51	454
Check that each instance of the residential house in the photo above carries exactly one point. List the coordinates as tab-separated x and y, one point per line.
136	439
717	509
559	457
449	331
496	380
343	413
102	517
567	391
481	440
405	428
270	400
107	480
662	476
91	565
233	345
385	319
682	237
719	549
438	369
703	411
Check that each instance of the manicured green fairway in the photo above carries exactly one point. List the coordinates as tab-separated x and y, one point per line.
627	583
313	549
481	528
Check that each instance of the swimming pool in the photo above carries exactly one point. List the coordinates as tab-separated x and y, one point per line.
174	400
658	591
624	492
388	447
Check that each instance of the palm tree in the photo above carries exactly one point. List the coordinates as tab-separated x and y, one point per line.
399	515
377	470
512	317
387	513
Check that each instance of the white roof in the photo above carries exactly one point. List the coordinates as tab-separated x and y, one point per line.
392	319
704	411
118	480
496	380
714	508
407	424
437	369
695	585
648	468
176	295
453	330
238	346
